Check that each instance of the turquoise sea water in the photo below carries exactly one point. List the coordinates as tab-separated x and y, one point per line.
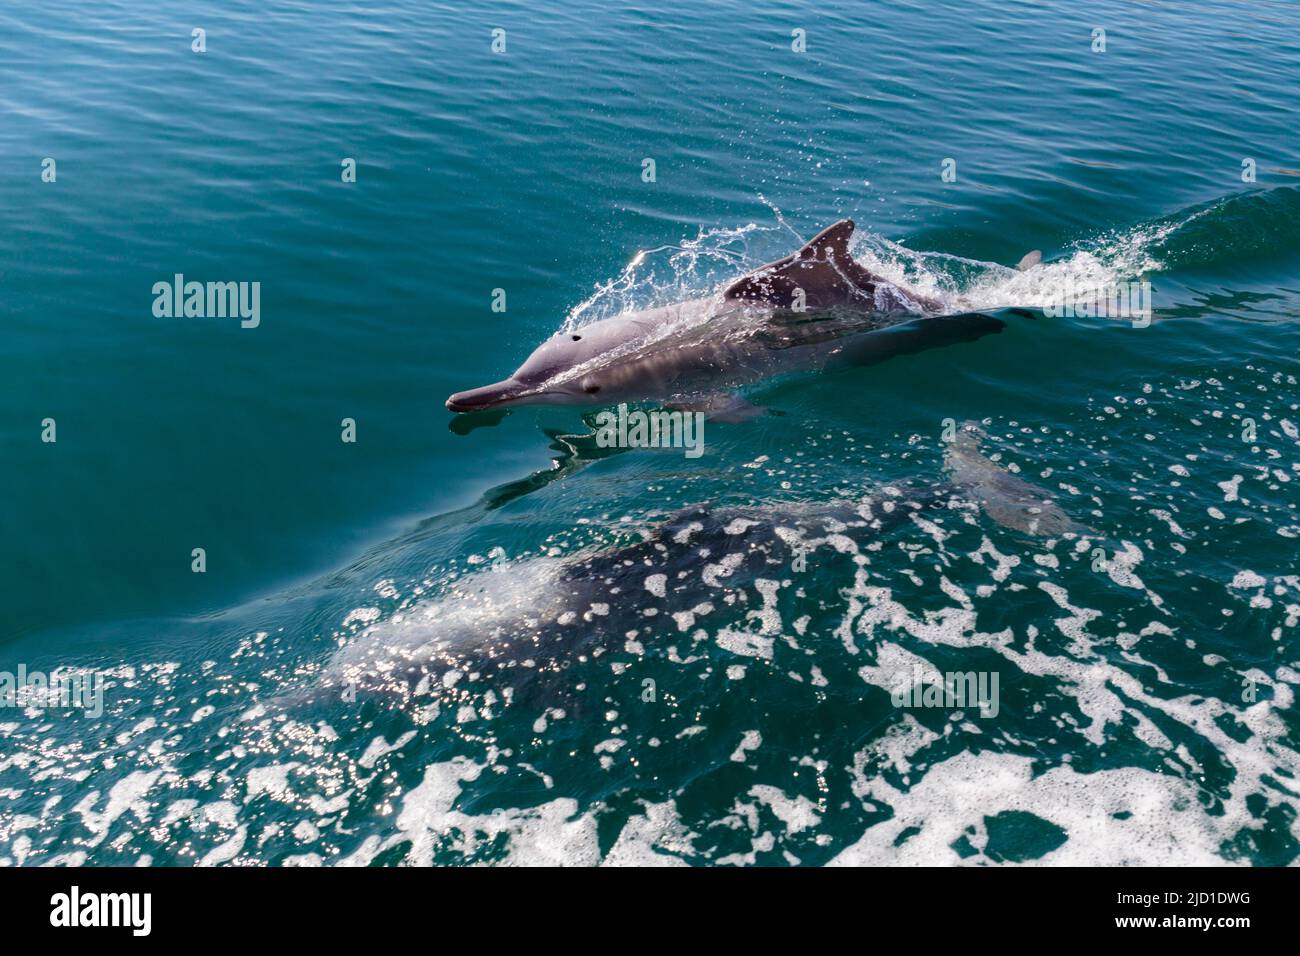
425	646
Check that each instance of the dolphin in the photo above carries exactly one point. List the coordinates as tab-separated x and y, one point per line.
526	620
1010	501
816	308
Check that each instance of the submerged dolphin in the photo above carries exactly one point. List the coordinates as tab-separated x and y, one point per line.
813	309
1010	501
528	620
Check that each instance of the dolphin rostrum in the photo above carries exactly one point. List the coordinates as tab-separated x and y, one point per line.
814	309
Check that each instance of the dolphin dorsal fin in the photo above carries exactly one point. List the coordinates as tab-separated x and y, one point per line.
831	242
822	269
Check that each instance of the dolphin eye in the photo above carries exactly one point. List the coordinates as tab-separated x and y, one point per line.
577	338
592	389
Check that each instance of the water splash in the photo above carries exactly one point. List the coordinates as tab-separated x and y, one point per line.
698	267
654	277
1096	263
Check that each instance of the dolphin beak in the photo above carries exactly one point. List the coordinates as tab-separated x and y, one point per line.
489	396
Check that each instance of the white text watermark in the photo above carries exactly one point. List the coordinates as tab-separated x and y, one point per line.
209	300
956	690
1120	300
59	690
655	429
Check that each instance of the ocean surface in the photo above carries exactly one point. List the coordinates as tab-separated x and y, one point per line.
488	640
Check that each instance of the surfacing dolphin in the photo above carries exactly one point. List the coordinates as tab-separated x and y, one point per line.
814	309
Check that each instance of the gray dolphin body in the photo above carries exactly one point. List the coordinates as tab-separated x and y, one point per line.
1010	501
548	611
814	309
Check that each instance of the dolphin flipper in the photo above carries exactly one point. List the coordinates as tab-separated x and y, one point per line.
919	334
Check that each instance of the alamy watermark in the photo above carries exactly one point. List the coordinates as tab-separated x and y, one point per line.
75	908
655	429
61	689
212	300
1119	300
957	690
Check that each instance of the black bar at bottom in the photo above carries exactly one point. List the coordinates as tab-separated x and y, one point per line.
363	906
